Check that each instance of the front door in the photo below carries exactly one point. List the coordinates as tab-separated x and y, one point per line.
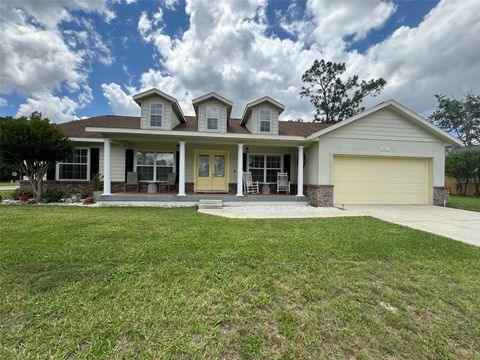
211	171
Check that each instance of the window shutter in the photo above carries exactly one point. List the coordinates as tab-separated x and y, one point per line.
128	161
244	164
94	162
286	164
51	173
177	164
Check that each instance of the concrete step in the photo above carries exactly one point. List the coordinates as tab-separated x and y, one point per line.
210	204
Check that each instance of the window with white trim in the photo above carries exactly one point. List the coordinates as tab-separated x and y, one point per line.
213	115
74	166
154	166
156	115
264	168
265	120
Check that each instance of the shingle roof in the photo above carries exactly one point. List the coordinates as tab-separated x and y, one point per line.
76	128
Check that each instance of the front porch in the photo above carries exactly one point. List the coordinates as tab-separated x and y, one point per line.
201	169
193	199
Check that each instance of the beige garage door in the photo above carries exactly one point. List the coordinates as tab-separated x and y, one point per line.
380	180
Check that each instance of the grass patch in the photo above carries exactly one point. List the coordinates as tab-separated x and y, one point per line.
7	183
175	284
471	203
6	194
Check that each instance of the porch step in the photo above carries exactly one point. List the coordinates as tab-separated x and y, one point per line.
210	204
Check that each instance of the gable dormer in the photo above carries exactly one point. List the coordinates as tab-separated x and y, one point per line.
213	112
261	116
159	111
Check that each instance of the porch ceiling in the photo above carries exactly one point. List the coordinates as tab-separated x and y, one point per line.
127	136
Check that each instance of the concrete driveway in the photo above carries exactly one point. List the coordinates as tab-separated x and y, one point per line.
456	224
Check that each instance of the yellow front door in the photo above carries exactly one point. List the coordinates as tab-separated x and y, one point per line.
211	171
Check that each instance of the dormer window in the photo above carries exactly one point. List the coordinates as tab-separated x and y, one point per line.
156	115
265	121
212	118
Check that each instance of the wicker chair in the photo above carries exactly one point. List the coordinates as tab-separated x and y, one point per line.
249	186
132	180
282	182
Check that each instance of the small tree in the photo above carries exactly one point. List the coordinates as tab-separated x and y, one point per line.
464	167
33	145
336	99
459	117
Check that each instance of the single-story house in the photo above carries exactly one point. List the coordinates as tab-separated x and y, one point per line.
384	155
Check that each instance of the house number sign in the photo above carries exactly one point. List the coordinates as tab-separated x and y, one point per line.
385	148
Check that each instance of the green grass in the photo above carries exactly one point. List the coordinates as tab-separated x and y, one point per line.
6	194
464	202
175	284
7	183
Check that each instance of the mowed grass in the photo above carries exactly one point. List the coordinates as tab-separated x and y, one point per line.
471	203
174	284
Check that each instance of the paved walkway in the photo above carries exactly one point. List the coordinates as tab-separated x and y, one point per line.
9	187
452	223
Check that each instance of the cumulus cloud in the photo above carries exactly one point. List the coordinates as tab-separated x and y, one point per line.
120	101
3	102
57	109
40	59
228	48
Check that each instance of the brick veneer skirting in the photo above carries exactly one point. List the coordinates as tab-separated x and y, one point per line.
440	193
319	195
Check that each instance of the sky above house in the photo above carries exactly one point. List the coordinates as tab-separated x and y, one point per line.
79	58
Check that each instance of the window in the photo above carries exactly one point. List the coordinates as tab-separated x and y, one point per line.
212	118
74	166
154	166
264	168
156	115
265	121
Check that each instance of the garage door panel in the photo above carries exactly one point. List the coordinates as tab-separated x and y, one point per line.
374	180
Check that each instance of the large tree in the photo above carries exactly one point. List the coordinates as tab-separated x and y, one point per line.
33	145
459	117
334	98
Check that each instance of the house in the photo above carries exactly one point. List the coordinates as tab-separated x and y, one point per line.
384	155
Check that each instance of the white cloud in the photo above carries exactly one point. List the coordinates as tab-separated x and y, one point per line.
3	102
57	109
228	48
120	101
170	4
39	59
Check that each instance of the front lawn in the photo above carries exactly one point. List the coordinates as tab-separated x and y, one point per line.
471	203
7	183
175	284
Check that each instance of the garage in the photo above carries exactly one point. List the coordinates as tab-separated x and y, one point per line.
381	180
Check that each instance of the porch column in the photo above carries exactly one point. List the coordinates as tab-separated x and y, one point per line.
181	171
300	172
106	167
240	170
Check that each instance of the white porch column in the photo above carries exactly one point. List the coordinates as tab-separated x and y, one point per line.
240	170
106	167
181	171
300	172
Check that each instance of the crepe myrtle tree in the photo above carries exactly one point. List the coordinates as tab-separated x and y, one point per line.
33	145
334	97
464	167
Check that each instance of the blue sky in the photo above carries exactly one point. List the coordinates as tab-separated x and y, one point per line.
87	58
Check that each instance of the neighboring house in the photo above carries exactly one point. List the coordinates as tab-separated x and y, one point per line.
385	155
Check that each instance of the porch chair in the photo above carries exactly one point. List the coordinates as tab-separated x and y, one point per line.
282	182
249	186
132	180
171	177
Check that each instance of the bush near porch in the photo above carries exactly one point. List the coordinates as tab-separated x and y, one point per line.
173	283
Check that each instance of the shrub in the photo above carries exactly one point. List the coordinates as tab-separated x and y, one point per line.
97	183
52	195
20	192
